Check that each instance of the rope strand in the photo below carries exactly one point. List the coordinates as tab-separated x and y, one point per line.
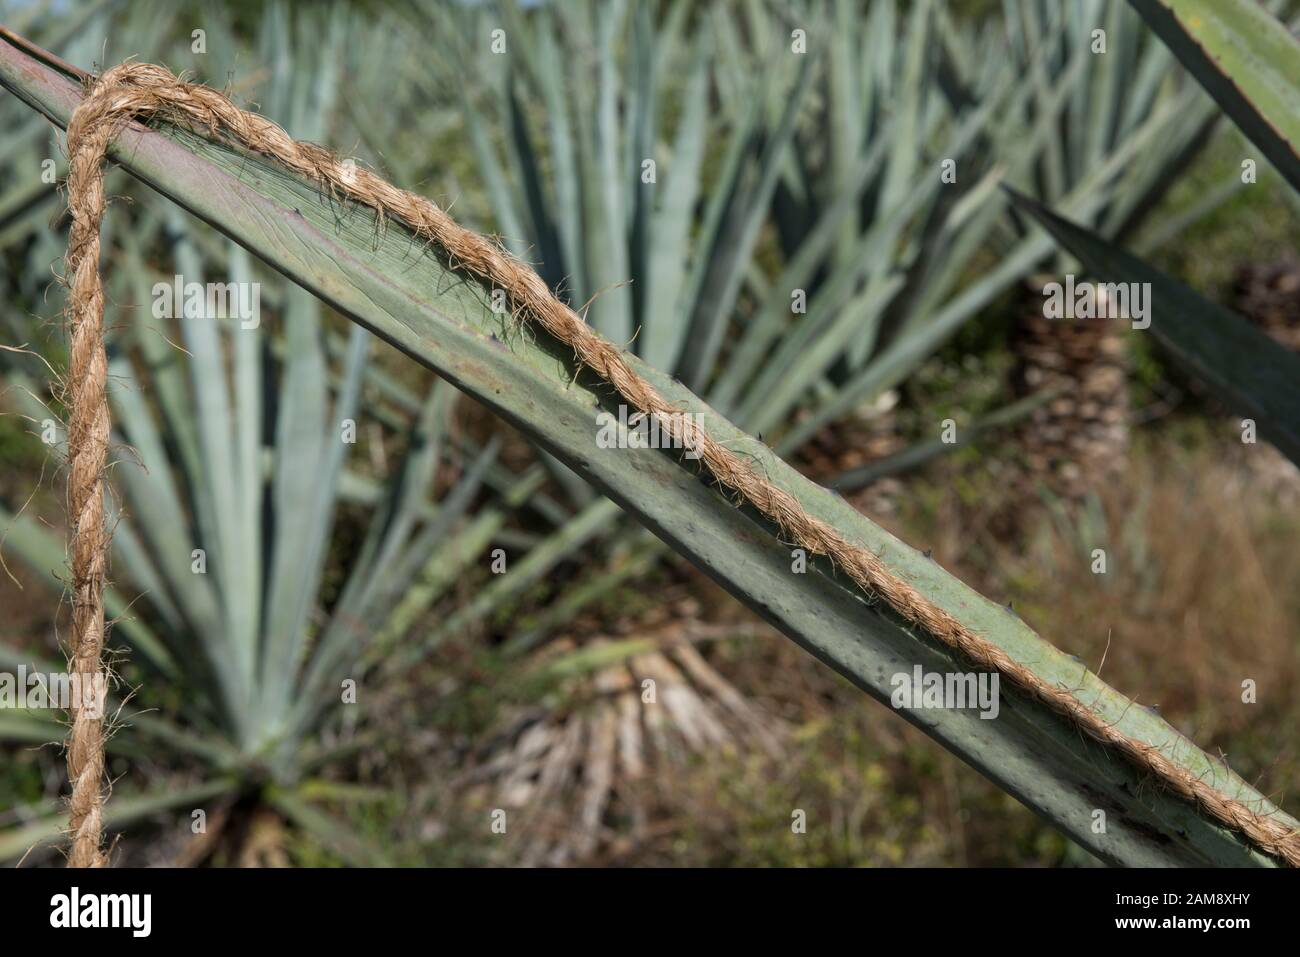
88	437
136	90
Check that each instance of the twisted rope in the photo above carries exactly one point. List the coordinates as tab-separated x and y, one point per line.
88	436
134	90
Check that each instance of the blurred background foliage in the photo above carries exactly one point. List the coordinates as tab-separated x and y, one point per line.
775	232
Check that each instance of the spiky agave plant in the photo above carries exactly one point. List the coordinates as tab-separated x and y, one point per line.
1124	123
240	610
854	191
239	462
31	162
768	222
1241	53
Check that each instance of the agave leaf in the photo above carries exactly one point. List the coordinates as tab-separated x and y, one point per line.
808	352
663	328
1053	163
526	166
920	453
122	811
850	113
216	502
335	833
386	590
522	574
640	138
245	568
606	229
130	730
453	558
1246	59
503	198
32	727
1096	107
438	318
564	164
439	531
819	239
164	365
742	224
587	659
309	461
926	332
900	174
45	552
641	556
157	511
1251	373
1119	95
724	192
401	507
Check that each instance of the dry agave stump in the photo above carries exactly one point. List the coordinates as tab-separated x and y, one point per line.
585	768
1080	437
1268	295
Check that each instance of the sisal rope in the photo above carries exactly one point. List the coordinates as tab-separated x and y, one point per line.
136	90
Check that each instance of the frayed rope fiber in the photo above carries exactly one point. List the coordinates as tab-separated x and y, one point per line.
141	90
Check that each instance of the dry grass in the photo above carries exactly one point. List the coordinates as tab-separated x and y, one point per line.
1201	591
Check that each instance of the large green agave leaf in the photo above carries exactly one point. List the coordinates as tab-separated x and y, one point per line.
394	286
1247	60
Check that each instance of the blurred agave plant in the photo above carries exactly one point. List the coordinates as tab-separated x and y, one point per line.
31	167
878	259
793	232
1242	54
241	608
1123	122
240	464
1127	119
